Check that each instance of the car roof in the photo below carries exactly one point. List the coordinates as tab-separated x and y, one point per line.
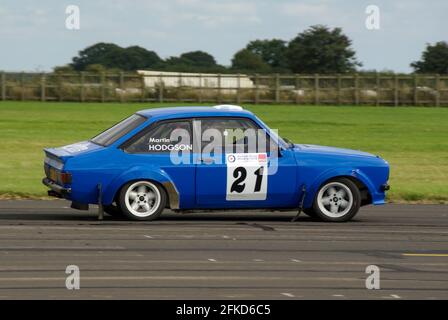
174	112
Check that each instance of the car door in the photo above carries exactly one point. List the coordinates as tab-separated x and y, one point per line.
166	146
239	174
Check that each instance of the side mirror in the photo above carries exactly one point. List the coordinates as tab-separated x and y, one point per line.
280	152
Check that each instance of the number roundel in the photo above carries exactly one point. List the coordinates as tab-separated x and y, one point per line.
246	176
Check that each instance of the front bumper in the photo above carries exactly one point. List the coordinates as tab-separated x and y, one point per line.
56	190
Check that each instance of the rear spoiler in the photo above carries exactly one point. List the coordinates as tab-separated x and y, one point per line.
70	150
57	153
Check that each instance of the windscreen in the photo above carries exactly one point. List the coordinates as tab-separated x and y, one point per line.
117	131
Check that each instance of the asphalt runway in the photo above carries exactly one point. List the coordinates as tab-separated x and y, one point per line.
225	255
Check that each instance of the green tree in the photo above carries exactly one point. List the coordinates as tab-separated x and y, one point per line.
247	61
95	68
434	59
110	55
273	52
198	58
194	61
321	50
63	69
135	57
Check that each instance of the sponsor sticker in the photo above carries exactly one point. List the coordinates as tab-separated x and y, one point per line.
247	176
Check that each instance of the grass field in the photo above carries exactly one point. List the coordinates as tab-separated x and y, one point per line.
413	140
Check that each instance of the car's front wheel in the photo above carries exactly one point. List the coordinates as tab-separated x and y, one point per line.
337	200
142	200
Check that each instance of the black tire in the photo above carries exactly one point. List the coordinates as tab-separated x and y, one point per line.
352	209
113	210
309	212
159	200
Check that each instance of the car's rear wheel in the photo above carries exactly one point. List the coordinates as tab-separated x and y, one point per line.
142	200
337	200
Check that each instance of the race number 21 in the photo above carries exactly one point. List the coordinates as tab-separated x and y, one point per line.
247	177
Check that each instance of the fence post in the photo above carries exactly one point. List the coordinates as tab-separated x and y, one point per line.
42	87
142	83
257	88
219	88
297	89
238	97
200	88
3	86
396	90
415	90
316	89
277	88
161	88
179	87
123	92
437	90
82	93
339	89
61	96
22	86
378	89
356	89
103	86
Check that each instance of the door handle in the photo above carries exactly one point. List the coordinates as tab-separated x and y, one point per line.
207	160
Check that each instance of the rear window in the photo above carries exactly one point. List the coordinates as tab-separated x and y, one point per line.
117	131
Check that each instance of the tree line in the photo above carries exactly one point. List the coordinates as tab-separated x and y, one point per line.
319	49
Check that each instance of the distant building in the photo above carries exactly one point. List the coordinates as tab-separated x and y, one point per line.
227	82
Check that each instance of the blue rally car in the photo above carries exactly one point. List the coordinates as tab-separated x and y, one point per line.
222	157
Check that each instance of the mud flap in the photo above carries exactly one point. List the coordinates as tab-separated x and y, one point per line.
302	199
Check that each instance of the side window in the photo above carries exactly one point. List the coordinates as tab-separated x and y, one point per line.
163	137
233	135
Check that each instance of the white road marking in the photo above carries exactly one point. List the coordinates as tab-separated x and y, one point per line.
392	296
258	260
149	237
212	260
287	294
184	278
295	260
338	295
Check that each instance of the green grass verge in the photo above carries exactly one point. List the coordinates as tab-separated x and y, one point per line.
413	140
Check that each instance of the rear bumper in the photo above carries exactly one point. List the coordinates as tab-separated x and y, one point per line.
56	190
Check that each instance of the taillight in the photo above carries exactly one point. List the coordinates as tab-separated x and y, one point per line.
66	178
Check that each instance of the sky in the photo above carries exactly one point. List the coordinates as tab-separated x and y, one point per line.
34	36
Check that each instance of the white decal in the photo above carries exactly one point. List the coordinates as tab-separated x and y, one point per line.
247	176
76	147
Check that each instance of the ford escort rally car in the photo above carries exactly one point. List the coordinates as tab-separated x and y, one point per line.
191	158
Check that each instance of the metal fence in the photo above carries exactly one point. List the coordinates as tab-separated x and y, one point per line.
344	89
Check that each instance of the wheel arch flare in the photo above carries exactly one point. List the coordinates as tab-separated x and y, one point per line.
139	173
